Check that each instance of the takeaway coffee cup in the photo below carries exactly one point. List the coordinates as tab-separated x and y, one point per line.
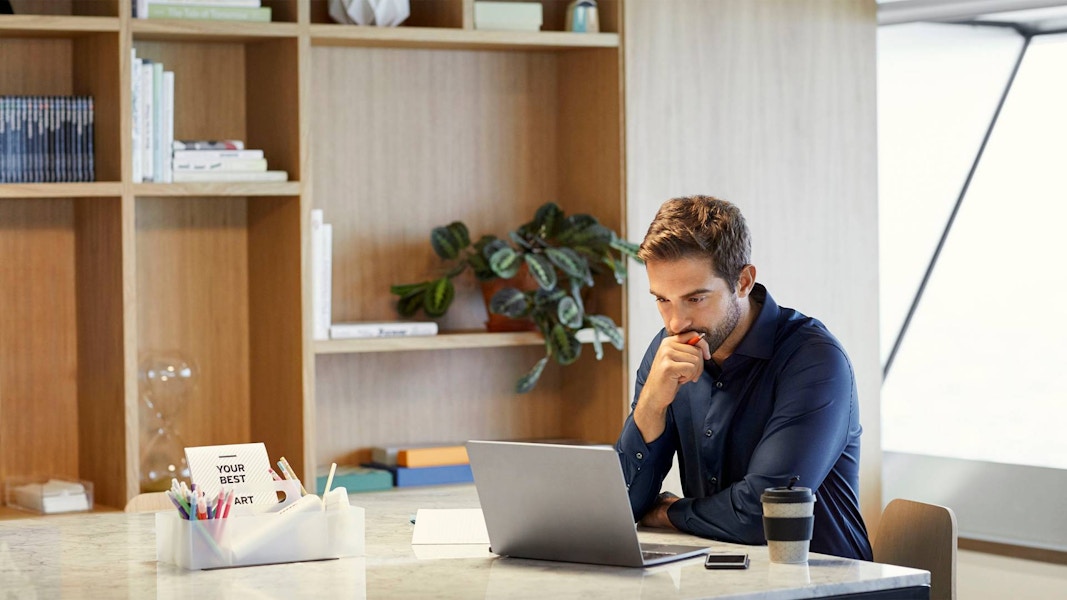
788	520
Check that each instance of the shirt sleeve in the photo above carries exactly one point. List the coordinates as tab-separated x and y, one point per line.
644	466
805	436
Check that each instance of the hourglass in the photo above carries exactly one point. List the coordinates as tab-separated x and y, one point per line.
166	379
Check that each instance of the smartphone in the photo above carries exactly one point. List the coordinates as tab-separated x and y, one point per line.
726	561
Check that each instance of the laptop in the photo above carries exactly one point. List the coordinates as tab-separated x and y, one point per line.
561	502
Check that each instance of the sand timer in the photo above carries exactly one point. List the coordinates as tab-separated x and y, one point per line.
166	381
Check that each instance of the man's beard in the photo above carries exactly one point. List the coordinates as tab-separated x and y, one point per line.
725	327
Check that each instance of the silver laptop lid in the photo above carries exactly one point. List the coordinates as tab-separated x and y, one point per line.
555	502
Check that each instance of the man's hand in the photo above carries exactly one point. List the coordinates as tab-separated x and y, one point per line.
657	517
676	363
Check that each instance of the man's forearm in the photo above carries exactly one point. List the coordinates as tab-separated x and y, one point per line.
650	421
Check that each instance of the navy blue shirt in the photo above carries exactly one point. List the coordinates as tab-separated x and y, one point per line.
783	404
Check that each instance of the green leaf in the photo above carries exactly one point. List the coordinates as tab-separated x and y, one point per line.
459	233
569	313
568	261
446	241
562	345
438	297
605	326
520	238
626	248
410	304
509	302
407	288
492	246
543	298
529	380
542	271
548	219
505	262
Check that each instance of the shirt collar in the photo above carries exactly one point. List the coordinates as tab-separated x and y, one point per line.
759	341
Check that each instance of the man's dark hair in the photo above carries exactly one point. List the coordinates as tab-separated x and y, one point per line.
700	227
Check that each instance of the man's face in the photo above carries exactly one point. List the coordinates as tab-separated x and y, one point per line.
691	297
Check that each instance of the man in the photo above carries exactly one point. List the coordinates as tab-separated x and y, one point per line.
766	394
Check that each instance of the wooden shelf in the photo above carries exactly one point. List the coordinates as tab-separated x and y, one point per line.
449	341
229	188
457	39
191	30
60	190
54	26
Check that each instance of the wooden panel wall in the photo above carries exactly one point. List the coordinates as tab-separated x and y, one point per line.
769	104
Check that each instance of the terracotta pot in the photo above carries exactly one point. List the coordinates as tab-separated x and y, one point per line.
500	323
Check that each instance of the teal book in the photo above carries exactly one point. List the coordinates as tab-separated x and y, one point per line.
355	479
211	13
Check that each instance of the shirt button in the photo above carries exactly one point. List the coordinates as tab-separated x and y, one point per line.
718	384
639	456
708	433
713	480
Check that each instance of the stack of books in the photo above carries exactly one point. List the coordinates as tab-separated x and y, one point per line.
46	138
222	160
152	93
414	465
215	10
354	479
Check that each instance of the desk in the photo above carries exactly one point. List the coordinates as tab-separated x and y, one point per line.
112	555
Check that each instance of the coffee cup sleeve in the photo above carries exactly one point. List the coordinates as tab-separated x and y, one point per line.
788	529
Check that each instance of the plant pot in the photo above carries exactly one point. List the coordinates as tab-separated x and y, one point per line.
499	323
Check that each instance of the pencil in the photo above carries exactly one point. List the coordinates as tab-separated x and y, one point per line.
693	342
287	469
329	482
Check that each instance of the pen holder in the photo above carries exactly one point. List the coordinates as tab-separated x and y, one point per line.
259	539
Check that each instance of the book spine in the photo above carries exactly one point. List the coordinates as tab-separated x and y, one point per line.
319	329
209	3
222	176
147	125
157	123
167	138
223	164
432	457
135	95
406	477
212	13
342	331
216	154
208	145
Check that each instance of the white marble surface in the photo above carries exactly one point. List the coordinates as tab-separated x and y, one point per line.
112	555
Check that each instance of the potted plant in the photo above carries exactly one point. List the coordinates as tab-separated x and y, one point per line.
562	256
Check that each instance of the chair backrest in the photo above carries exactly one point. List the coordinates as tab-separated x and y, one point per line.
149	502
921	536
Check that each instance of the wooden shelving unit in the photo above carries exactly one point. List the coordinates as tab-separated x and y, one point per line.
389	131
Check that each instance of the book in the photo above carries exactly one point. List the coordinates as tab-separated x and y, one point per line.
344	331
222	176
221	164
415	476
429	455
211	13
167	127
208	145
216	154
321	275
354	479
508	16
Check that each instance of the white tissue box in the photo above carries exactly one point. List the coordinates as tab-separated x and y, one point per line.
49	495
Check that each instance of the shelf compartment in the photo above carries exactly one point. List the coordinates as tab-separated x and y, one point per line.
62	401
236	90
458	39
424	13
218	280
78	64
100	8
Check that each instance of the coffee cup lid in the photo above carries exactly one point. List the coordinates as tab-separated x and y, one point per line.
785	495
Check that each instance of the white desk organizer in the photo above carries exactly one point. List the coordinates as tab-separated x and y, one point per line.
301	531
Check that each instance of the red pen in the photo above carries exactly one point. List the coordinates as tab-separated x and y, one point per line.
693	342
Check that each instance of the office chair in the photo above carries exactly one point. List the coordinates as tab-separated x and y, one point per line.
921	536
